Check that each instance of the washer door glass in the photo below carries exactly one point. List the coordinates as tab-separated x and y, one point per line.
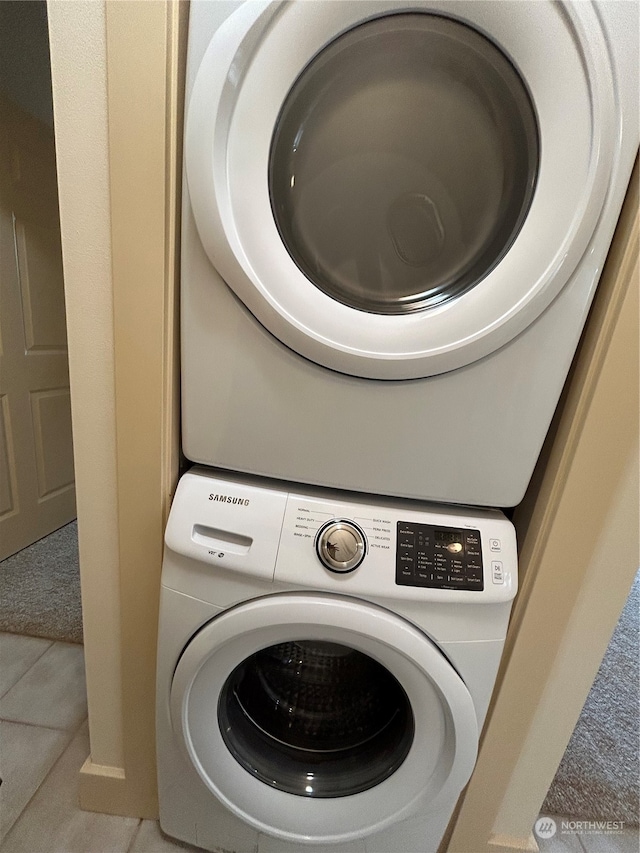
403	163
316	719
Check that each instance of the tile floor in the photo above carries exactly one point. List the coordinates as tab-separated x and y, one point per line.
44	742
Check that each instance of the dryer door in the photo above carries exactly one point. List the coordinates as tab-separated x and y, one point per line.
396	195
322	718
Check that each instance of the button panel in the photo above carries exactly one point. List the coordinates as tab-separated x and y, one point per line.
497	571
438	557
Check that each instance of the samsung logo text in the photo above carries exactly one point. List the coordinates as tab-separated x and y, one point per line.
227	499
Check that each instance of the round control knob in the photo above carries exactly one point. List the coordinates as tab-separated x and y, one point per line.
341	545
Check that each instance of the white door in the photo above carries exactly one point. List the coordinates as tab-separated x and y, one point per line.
37	492
397	195
315	717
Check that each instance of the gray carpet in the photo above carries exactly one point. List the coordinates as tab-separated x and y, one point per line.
40	588
598	776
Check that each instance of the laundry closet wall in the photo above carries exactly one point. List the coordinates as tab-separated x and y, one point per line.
116	71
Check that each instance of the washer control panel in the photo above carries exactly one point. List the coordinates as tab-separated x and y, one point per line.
437	557
340	543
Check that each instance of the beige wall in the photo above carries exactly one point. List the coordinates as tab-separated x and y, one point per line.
116	97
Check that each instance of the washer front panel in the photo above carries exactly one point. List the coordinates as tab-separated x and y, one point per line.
442	752
272	535
243	81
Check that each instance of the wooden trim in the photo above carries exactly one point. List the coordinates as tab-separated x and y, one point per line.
78	73
177	29
143	99
103	789
582	507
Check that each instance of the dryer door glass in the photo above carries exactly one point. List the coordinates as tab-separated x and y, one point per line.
403	163
315	719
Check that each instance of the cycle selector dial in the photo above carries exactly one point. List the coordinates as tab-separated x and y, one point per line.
341	545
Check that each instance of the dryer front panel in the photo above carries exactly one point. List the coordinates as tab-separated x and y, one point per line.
322	718
395	192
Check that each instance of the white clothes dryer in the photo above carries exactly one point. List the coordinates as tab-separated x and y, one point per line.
395	217
325	665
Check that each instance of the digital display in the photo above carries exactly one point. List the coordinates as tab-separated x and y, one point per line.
446	537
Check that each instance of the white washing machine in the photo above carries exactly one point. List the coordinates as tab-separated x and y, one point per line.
395	217
325	664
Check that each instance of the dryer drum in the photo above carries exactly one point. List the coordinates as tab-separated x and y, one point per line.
403	163
316	718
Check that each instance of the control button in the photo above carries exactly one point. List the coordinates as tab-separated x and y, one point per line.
341	546
454	547
474	574
494	545
497	571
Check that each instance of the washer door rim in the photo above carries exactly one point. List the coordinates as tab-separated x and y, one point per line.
228	189
219	645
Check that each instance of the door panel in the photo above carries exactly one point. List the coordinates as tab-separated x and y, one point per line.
51	413
37	492
41	285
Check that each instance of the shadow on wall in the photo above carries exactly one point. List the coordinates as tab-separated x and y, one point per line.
25	73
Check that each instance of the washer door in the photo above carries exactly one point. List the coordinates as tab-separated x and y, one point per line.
397	195
322	718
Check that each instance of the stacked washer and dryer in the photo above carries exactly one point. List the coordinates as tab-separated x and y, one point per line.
395	216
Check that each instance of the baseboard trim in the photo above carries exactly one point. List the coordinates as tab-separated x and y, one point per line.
508	843
106	789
